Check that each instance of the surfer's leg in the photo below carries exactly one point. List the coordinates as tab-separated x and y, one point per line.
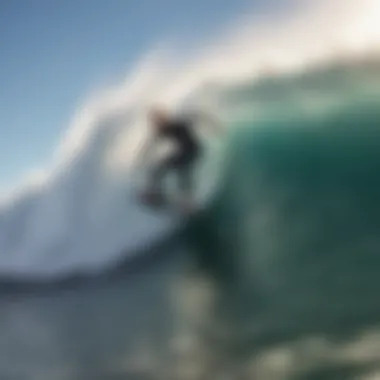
186	185
185	167
157	175
160	170
186	179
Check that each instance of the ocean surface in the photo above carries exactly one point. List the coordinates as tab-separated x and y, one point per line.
277	278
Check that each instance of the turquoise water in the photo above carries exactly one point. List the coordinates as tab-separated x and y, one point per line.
294	235
278	279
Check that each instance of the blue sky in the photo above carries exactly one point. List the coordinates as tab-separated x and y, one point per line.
54	53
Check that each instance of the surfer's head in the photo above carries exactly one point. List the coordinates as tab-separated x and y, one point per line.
159	116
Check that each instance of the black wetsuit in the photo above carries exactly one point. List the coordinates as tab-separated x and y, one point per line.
183	160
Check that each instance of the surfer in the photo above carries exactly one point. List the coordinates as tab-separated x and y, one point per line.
189	150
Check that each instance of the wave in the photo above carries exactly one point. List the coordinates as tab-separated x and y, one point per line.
301	178
80	215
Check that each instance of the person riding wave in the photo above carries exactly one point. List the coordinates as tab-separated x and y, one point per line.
180	131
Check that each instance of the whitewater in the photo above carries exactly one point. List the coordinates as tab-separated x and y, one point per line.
79	214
